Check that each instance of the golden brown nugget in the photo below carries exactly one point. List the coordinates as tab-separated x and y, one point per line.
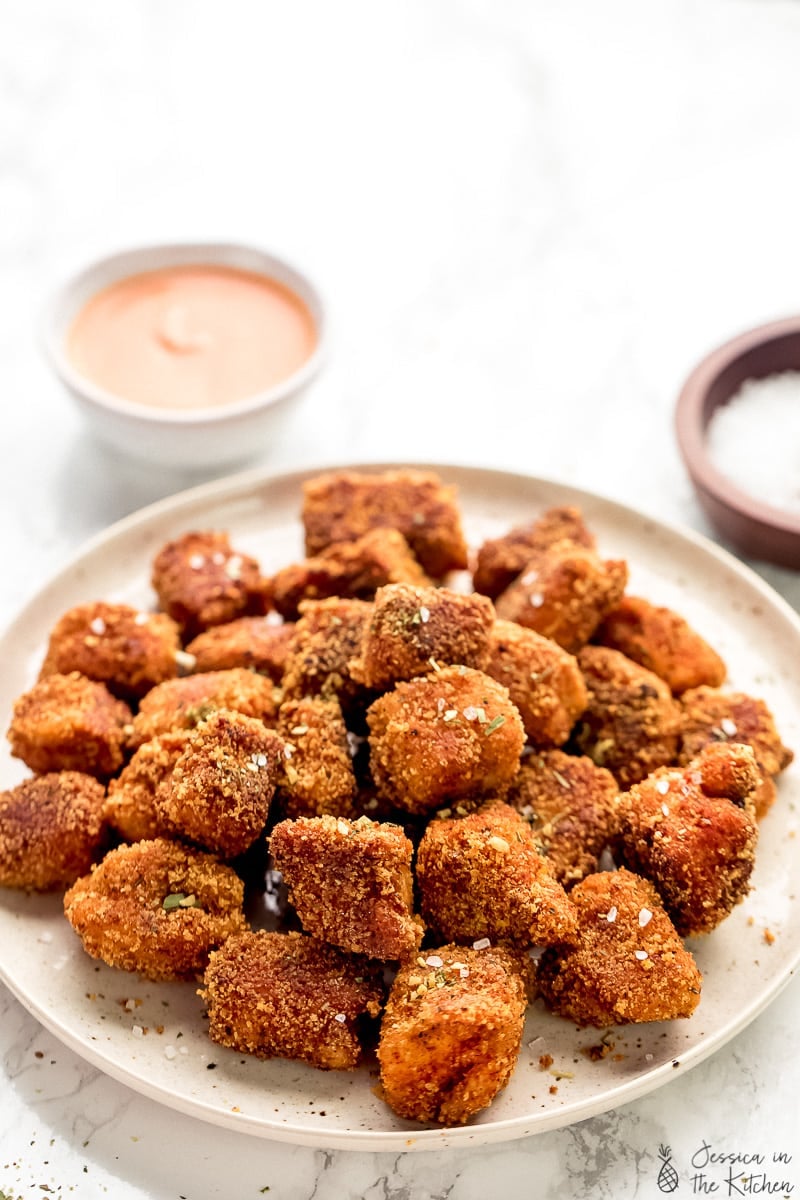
450	735
341	506
51	830
631	724
692	832
127	650
629	964
483	876
219	791
350	882
130	806
347	569
572	807
318	774
564	592
713	716
664	642
451	1033
201	580
544	681
327	636
500	560
181	703
70	723
252	642
412	628
284	995
156	908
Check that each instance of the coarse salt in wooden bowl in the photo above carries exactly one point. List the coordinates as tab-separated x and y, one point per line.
749	488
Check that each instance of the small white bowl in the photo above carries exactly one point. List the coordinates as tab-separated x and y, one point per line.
178	437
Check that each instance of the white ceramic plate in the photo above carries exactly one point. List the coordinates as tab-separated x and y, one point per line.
152	1037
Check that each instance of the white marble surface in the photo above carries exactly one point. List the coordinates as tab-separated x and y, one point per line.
530	220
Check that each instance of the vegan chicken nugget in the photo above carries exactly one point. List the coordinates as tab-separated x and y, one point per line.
253	642
350	882
544	681
483	876
347	569
327	636
500	560
181	703
200	580
341	506
692	832
219	791
631	724
70	723
628	964
284	995
127	650
572	807
318	768
663	641
451	1033
563	592
450	735
51	830
411	627
130	806
157	908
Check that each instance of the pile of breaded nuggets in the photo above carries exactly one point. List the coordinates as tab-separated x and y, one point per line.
423	766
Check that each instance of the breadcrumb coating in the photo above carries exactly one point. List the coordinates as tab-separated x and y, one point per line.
284	995
327	636
628	965
182	703
500	560
51	830
664	642
631	724
483	876
352	570
70	723
251	642
201	580
318	774
411	627
451	1033
341	506
157	908
544	681
127	650
219	791
130	806
572	807
692	831
452	734
563	592
350	882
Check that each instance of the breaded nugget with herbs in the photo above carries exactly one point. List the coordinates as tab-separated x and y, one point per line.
500	560
350	882
327	636
451	1033
285	995
341	506
318	774
130	806
412	628
157	908
51	830
450	735
127	650
201	580
628	964
181	703
544	681
257	643
483	876
70	723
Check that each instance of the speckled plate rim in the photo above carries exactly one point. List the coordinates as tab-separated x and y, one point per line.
759	635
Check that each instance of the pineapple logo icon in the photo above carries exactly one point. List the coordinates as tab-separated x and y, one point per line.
667	1176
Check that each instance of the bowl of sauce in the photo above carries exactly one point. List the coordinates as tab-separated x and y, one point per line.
179	354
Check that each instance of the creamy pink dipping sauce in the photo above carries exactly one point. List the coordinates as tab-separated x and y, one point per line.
191	336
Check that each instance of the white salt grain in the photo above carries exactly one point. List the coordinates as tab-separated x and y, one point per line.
754	439
481	944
